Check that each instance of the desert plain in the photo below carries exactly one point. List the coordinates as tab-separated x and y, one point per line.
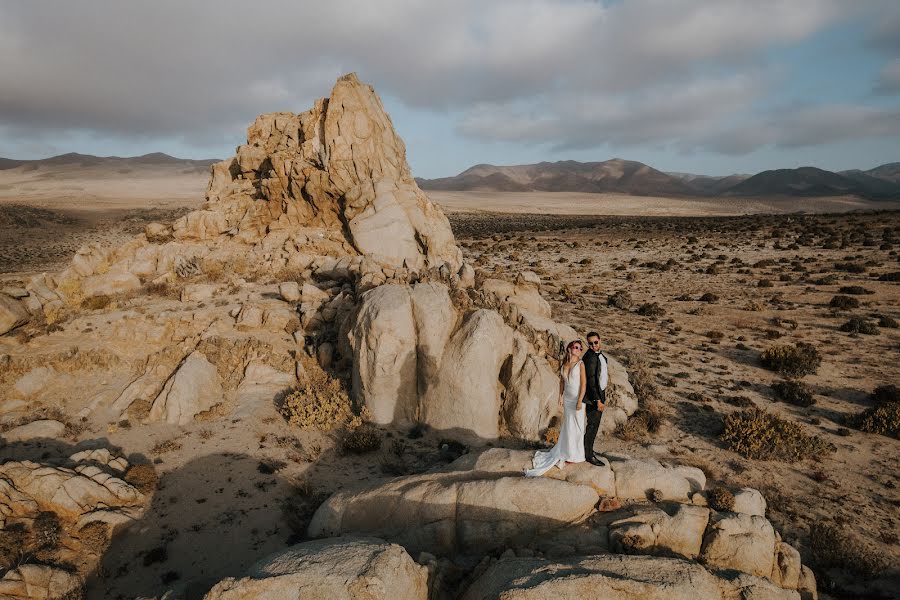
687	293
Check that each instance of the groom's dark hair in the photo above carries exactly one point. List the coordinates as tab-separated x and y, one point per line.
594	334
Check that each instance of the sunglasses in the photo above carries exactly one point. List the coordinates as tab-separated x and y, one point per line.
597	343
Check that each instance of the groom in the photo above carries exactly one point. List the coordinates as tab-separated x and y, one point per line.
597	377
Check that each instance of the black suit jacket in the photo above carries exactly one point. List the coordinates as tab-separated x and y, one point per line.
593	393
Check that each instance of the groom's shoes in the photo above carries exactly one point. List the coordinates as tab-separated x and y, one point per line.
594	460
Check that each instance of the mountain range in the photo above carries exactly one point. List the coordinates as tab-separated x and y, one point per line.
636	178
616	175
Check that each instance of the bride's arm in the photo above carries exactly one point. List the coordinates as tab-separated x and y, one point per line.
583	386
562	389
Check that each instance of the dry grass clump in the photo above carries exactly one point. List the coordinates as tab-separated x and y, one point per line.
884	417
793	392
646	420
792	362
860	325
720	499
760	435
96	302
170	445
319	402
895	276
844	302
94	536
143	477
832	547
20	545
620	299
551	435
887	322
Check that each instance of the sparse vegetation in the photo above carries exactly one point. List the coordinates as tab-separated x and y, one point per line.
792	361
854	290
651	309
361	440
760	435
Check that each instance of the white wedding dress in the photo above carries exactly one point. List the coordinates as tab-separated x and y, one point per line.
570	447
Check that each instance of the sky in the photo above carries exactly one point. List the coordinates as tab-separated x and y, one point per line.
710	87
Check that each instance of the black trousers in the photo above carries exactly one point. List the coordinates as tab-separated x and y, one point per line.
592	426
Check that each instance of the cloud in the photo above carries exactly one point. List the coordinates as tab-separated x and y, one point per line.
566	73
889	78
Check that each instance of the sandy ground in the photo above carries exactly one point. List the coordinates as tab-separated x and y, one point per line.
568	203
236	489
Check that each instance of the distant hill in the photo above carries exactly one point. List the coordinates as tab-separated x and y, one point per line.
87	160
616	175
635	178
811	181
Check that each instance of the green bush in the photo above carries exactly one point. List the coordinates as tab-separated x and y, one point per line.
793	392
844	302
794	361
759	435
860	325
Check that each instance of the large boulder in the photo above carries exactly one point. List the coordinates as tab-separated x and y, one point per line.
42	428
342	569
12	314
458	509
110	284
614	577
193	388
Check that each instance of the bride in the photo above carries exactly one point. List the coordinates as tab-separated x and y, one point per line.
570	447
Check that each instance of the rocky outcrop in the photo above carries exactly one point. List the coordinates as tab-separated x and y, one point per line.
39	581
342	568
192	389
482	503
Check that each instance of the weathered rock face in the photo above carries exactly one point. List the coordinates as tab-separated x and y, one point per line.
12	313
39	581
343	569
193	388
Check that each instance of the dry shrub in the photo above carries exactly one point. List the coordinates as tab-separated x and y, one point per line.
895	276
792	362
887	322
709	468
860	325
620	299
143	477
833	547
139	409
298	507
651	309
551	435
720	499
163	289
884	417
96	302
361	440
94	536
213	269
46	531
760	435
13	543
793	392
854	290
319	402
709	297
844	302
170	445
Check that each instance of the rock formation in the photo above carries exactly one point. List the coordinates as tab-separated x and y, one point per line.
352	264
